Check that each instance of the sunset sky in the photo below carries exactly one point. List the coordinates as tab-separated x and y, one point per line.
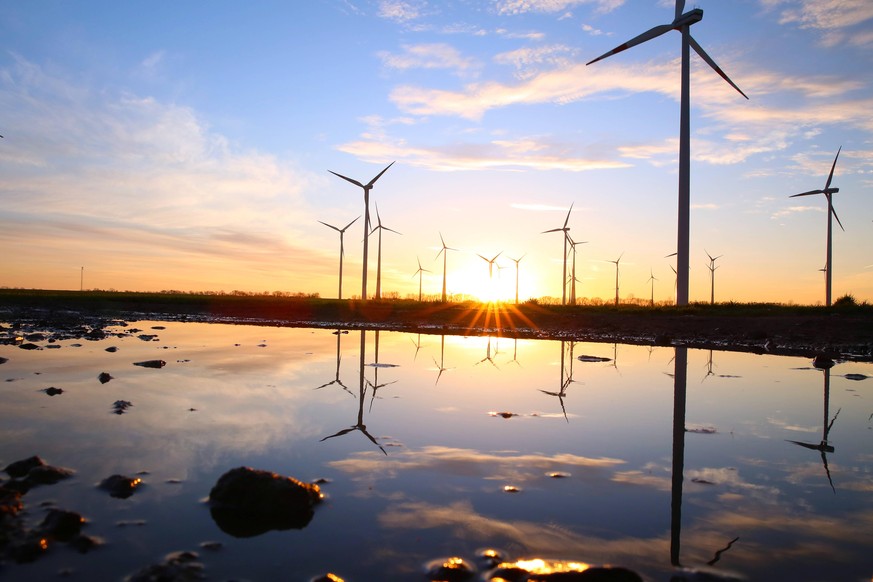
186	145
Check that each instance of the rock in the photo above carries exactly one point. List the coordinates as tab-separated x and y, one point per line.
151	364
61	525
3	360
29	346
120	486
47	475
52	391
584	358
247	502
20	468
822	362
176	567
112	349
121	406
452	569
104	377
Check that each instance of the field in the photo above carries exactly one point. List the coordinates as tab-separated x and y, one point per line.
842	331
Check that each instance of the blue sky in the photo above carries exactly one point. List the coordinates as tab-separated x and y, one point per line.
187	145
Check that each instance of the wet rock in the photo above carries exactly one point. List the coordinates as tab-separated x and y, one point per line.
176	567
47	475
511	489
112	349
121	406
61	525
10	503
558	475
247	502
151	364
84	544
52	391
452	569
104	377
20	468
856	377
584	358
29	346
329	577
3	360
119	486
147	337
27	549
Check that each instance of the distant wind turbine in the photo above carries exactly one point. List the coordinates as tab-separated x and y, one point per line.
341	232
712	269
573	278
827	191
380	228
367	188
617	261
564	229
517	261
444	252
490	263
652	279
420	272
682	23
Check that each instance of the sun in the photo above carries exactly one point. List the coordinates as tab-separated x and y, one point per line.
475	282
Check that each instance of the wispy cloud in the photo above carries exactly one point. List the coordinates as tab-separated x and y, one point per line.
402	11
841	21
552	6
430	56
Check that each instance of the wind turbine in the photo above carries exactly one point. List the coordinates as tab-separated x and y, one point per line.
564	229
573	270
380	228
517	261
367	188
712	269
682	23
341	232
444	252
616	276
420	272
652	279
827	191
490	263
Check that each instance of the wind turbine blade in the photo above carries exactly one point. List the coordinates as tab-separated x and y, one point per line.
331	226
392	230
481	257
566	220
680	8
648	35
834	212
355	182
711	63
831	175
373	181
553	230
807	193
349	224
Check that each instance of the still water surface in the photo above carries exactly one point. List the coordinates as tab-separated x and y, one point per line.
666	457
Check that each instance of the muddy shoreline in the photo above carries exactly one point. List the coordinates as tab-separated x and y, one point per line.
839	333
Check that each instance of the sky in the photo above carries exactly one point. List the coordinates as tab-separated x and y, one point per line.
187	146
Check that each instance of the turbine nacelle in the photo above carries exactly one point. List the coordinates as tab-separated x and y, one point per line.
689	18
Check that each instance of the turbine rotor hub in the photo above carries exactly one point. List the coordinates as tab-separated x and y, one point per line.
689	18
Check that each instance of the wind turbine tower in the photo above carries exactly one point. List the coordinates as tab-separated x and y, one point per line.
617	261
712	269
341	232
517	261
380	228
420	272
682	22
444	251
367	188
564	229
827	191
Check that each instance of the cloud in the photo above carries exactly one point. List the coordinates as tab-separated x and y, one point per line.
529	61
839	20
400	11
429	56
132	172
515	7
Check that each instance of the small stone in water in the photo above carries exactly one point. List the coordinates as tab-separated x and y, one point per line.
449	570
104	377
52	391
121	406
151	364
511	489
112	349
558	475
120	486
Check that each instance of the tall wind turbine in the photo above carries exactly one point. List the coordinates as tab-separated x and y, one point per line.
444	252
517	261
682	23
367	188
616	261
712	269
420	272
380	228
341	232
827	191
564	229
